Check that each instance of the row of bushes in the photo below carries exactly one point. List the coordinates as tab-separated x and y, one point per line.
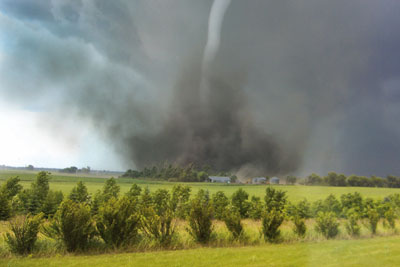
176	173
124	220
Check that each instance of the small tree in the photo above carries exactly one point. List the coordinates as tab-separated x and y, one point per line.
51	203
327	224
271	220
291	179
299	226
134	191
24	234
233	222
390	218
219	203
373	219
11	187
5	207
157	219
73	225
200	217
118	222
275	199
352	226
240	202
180	200
256	208
110	189
79	193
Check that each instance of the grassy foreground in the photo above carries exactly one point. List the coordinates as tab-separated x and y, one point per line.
379	251
65	183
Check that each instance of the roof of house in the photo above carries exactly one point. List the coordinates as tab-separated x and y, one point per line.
219	178
259	178
274	178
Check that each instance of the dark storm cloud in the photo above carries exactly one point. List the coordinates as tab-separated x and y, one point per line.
296	86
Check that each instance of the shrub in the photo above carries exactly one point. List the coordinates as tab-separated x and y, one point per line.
110	189
180	200
239	201
302	209
275	199
299	226
256	208
390	218
233	222
157	216
24	234
73	225
51	203
373	219
31	200
118	222
134	191
271	220
219	203
5	207
327	224
200	217
352	226
11	187
79	193
159	227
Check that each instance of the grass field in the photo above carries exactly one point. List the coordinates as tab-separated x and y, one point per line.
65	183
379	251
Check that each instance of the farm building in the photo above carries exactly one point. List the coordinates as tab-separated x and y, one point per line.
259	180
219	179
274	180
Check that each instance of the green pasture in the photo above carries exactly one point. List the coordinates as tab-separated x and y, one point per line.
65	183
379	251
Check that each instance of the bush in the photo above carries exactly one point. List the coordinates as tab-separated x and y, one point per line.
302	209
239	201
118	222
5	207
233	222
271	221
157	216
256	208
390	218
327	224
200	217
79	193
11	187
51	203
299	226
24	234
73	225
275	199
219	203
180	200
352	226
373	219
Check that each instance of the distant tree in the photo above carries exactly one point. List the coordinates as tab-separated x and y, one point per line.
85	170
291	179
30	167
314	179
233	179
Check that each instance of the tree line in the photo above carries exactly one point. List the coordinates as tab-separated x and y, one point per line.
79	218
176	173
334	179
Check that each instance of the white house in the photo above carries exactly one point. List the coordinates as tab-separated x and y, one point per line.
219	179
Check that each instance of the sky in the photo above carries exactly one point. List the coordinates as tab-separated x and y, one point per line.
295	86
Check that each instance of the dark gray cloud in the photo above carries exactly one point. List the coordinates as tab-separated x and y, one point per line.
297	86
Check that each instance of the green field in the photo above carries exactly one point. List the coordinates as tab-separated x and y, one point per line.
295	193
363	252
380	250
